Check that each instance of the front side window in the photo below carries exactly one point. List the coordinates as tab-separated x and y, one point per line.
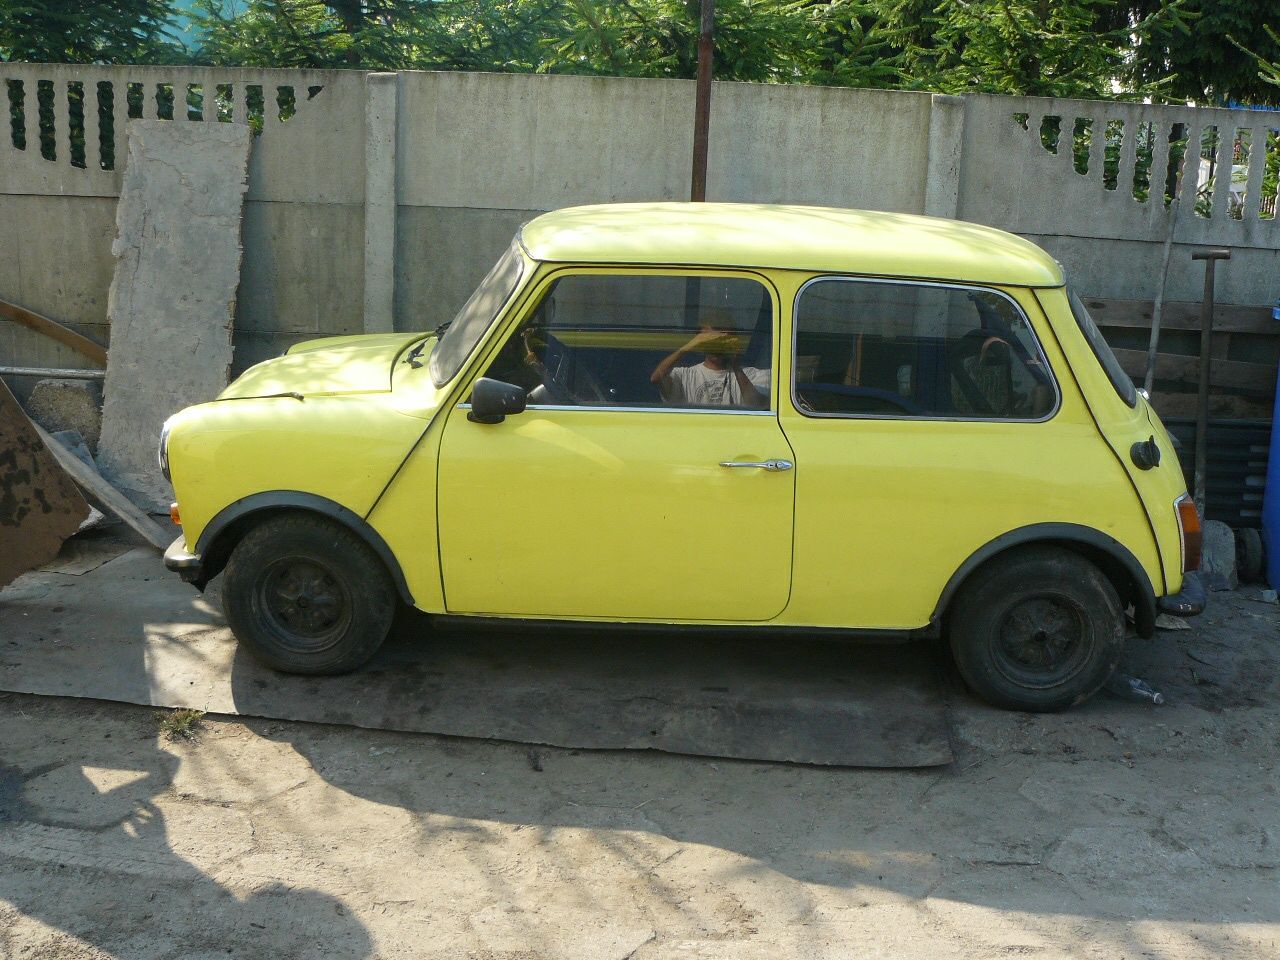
644	340
475	317
917	350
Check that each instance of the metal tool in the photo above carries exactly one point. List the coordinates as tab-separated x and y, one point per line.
1206	338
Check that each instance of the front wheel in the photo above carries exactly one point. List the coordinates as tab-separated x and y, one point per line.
306	595
1038	629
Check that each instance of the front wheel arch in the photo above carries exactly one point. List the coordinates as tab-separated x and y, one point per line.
1109	555
229	526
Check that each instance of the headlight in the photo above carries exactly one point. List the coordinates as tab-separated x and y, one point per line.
162	455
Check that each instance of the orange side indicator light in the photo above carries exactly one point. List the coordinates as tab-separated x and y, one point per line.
174	514
1192	536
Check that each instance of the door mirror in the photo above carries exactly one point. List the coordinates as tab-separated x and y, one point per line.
492	400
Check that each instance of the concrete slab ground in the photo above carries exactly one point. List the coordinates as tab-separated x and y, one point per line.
128	630
1114	830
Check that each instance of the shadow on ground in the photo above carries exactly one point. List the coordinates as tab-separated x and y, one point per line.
280	839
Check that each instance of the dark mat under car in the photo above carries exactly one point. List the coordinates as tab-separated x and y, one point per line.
127	630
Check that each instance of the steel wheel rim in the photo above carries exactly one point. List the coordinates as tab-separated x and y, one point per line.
308	608
1042	641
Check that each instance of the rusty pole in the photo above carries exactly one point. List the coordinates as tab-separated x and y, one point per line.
702	101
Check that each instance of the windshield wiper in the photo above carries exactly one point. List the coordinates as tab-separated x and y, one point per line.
412	357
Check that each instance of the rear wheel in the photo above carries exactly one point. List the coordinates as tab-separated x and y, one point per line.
1249	555
306	595
1037	628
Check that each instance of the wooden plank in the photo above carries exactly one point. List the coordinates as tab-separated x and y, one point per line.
52	328
1228	374
1183	315
106	494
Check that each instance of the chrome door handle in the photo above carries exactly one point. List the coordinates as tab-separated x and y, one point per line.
759	464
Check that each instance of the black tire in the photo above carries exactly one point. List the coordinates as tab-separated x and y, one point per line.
1249	555
1037	629
306	595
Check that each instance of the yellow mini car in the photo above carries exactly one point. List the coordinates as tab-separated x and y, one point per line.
792	419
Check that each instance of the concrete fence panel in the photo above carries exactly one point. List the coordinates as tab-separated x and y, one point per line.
377	201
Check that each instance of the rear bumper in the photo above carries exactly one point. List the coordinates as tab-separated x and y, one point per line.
188	566
1187	602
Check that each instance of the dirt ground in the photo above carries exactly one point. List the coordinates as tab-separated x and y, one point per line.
1116	830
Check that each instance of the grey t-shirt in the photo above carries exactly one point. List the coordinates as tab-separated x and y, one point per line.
701	386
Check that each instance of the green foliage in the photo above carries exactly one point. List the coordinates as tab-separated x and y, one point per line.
1162	49
308	33
86	31
1204	63
1046	48
1268	65
755	39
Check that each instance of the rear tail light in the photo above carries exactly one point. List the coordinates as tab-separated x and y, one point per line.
1189	531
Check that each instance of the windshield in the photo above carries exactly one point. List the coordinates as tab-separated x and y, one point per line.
475	316
1115	373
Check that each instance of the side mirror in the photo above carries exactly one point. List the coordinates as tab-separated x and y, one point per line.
492	400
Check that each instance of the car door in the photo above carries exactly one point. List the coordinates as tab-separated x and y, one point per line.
627	490
931	419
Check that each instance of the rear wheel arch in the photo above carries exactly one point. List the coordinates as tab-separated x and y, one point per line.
1109	555
230	525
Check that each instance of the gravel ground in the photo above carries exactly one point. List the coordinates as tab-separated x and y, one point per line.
1114	830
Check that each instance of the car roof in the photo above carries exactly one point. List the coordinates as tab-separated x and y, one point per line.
818	239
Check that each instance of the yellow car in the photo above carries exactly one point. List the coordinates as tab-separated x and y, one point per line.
787	419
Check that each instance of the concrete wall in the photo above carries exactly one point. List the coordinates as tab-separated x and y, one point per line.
384	198
1110	242
303	220
478	154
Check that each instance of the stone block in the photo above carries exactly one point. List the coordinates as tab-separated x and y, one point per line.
173	295
1218	557
68	405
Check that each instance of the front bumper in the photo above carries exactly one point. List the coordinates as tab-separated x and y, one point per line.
188	566
1187	602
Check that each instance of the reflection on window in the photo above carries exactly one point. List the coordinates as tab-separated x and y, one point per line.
867	348
644	341
476	316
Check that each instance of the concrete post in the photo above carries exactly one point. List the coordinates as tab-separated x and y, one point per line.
946	141
380	202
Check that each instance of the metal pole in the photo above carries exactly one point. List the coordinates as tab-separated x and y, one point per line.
702	101
1206	338
53	373
1153	344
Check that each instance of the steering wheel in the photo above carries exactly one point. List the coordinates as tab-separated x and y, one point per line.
557	390
905	404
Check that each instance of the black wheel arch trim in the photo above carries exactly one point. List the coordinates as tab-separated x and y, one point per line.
1142	596
213	558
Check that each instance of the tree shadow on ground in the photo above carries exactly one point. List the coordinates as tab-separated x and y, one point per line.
1060	823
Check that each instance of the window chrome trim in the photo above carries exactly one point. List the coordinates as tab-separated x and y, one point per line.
945	285
716	411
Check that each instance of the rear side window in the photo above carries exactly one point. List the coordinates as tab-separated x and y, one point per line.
1115	373
868	348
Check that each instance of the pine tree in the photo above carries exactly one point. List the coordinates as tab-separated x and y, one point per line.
86	31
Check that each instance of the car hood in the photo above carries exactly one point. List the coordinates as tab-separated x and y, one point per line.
334	365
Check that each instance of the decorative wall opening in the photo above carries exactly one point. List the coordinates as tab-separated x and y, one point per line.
76	121
1233	168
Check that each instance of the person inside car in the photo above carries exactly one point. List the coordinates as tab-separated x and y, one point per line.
720	380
